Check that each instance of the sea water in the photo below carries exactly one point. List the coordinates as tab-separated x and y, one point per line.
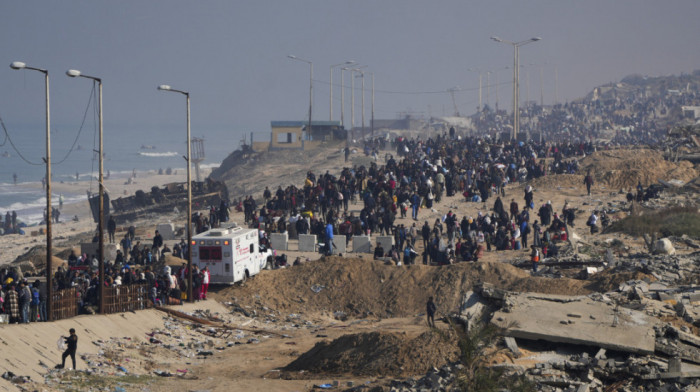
71	157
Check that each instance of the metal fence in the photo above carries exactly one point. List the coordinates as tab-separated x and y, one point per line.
126	298
64	304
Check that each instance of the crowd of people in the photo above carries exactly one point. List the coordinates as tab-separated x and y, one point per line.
9	225
20	300
419	177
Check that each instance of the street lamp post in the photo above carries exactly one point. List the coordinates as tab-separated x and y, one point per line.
331	85
49	281
165	87
352	96
371	124
342	97
362	74
516	76
73	73
479	72
311	86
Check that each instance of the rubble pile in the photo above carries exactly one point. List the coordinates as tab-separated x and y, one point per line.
163	352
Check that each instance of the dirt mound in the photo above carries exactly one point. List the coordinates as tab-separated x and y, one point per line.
374	354
34	260
237	168
365	287
623	169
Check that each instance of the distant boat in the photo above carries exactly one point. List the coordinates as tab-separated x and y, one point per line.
149	147
6	154
79	147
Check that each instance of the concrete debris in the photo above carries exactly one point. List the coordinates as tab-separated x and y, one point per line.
610	339
664	246
549	318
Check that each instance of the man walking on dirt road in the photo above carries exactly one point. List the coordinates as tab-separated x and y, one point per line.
431	309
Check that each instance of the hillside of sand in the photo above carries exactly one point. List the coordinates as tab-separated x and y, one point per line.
349	318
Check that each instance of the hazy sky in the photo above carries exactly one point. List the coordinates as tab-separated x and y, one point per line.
232	56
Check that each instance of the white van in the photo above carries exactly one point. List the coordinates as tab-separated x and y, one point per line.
232	254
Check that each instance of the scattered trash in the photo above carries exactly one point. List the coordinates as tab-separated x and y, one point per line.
317	288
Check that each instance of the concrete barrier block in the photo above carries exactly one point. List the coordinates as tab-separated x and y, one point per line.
91	248
386	242
167	231
339	247
278	241
361	244
307	242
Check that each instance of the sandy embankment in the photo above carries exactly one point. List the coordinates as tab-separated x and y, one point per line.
26	348
12	246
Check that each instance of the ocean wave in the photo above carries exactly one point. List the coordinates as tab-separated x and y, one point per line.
157	154
41	203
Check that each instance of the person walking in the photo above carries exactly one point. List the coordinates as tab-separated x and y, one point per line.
415	205
329	238
205	282
535	257
72	342
588	180
430	309
111	228
157	245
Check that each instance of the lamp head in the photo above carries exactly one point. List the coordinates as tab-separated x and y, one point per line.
536	38
291	56
496	39
73	73
17	65
164	87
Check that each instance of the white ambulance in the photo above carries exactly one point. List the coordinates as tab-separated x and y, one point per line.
232	254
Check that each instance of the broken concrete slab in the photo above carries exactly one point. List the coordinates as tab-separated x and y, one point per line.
538	317
513	346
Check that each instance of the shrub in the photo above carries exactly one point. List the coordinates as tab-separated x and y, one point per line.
673	221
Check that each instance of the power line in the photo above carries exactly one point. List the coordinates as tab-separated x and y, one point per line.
80	130
419	92
7	136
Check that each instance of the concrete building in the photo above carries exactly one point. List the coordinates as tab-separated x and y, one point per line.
295	135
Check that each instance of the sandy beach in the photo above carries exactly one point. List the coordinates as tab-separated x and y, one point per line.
15	245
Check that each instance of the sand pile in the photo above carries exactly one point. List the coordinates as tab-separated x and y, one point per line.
375	354
33	261
237	168
623	169
363	288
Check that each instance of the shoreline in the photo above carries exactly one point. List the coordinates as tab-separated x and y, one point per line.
14	245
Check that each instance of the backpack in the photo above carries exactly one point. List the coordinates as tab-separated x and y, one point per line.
35	296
